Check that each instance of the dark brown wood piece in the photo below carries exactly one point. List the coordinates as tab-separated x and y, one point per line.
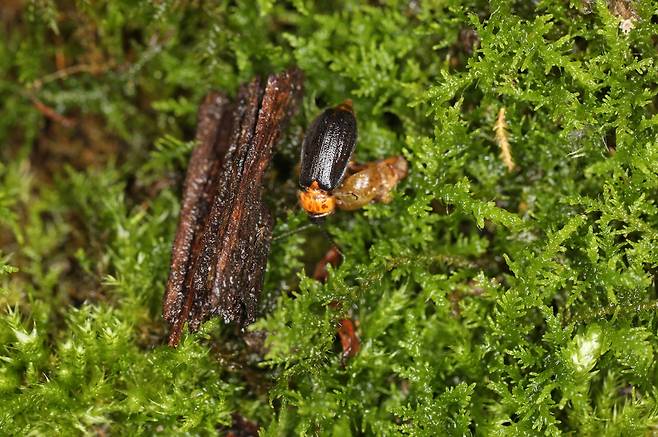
213	113
223	239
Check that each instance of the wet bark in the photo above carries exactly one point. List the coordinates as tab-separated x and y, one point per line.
223	237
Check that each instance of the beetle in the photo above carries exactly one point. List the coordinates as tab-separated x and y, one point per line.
326	153
328	180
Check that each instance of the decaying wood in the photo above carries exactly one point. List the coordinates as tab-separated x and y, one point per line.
213	113
224	233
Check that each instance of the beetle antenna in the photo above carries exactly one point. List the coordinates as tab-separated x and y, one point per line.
313	221
291	232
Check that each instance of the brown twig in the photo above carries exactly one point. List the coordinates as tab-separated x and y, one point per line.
63	73
36	85
50	113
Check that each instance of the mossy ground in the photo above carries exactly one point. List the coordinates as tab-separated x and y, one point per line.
488	302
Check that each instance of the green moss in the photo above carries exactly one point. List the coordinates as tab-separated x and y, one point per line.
488	301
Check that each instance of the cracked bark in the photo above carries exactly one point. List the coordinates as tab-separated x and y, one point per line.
223	237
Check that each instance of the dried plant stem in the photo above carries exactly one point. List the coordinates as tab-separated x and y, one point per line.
500	128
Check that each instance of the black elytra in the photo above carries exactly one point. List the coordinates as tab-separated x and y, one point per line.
328	147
